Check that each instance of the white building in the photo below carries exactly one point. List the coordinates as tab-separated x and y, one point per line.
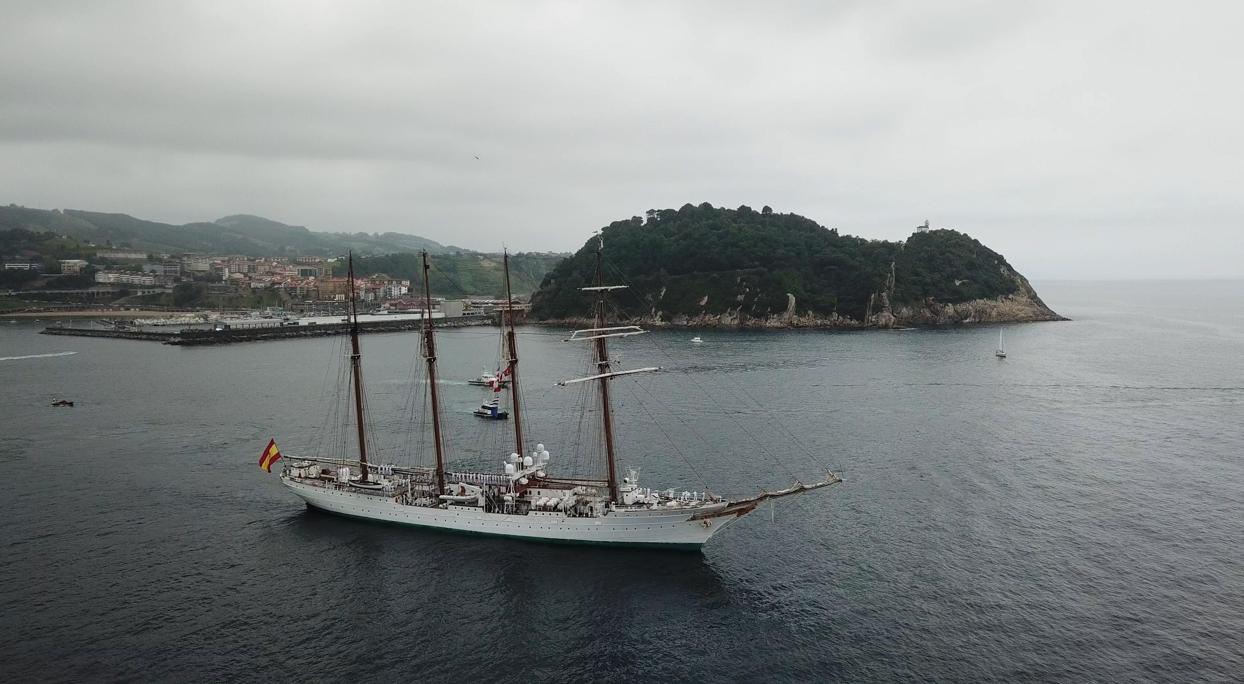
394	289
121	255
73	266
24	265
163	268
124	278
196	264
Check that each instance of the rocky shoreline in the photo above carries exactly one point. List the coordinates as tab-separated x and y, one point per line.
976	312
1024	306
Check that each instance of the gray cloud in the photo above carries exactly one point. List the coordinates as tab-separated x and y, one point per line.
1081	139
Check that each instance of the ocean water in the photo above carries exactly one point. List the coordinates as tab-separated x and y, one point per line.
1074	512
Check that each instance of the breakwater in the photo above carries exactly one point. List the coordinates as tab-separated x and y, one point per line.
199	337
102	332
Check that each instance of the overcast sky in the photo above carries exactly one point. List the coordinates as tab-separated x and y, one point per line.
1080	139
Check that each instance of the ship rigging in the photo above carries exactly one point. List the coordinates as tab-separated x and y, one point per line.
525	499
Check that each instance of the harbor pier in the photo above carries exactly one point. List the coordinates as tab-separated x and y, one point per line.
277	330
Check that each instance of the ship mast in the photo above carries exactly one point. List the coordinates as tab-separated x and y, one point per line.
602	365
429	355
513	360
356	366
604	373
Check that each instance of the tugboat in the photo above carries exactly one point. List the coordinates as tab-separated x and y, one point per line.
491	409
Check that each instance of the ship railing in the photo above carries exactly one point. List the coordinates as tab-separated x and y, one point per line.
385	468
478	478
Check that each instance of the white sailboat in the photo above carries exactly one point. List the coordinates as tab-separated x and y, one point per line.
1000	352
525	499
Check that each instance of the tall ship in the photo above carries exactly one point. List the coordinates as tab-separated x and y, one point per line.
526	497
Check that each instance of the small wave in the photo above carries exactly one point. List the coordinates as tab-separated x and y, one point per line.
36	356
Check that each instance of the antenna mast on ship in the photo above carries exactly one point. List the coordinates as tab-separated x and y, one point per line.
513	360
429	355
356	367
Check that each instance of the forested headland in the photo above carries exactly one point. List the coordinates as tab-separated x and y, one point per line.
705	265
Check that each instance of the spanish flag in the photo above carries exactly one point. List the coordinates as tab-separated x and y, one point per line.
269	456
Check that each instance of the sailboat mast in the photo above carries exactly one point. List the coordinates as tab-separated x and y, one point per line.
356	367
429	355
602	366
513	360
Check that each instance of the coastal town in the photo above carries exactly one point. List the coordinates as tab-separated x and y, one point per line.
110	279
235	298
302	277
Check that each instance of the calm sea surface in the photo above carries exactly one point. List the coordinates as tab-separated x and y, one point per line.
1075	512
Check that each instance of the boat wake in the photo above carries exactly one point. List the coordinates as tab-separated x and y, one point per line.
37	356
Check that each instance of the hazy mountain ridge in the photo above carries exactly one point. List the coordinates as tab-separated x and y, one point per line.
703	265
241	234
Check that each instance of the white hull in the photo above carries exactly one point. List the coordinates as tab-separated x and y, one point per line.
630	526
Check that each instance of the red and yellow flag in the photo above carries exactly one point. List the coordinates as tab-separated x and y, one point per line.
269	456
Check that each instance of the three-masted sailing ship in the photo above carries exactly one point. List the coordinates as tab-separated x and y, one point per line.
525	499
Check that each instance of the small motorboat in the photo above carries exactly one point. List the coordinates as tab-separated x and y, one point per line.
63	402
696	340
487	379
491	409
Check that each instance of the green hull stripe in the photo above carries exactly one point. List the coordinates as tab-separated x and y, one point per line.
538	540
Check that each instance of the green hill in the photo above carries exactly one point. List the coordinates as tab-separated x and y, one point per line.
241	234
464	273
705	265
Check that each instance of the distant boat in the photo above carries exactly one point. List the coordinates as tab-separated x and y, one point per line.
491	409
63	402
499	379
1001	351
487	379
696	340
